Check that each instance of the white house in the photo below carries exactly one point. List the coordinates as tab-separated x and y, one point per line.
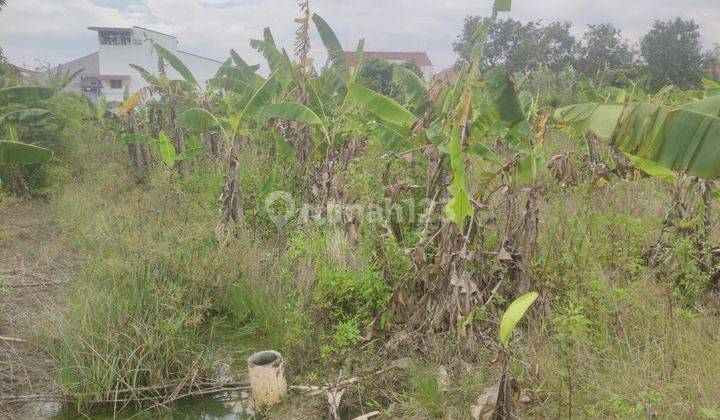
395	57
107	72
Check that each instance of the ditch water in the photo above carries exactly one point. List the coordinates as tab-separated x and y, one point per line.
228	406
234	347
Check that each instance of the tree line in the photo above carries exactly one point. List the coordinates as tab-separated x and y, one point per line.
671	52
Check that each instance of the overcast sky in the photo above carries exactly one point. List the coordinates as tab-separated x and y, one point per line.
56	30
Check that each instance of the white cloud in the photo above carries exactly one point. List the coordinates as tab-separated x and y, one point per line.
56	30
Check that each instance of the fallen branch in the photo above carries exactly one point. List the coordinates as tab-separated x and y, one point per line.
13	339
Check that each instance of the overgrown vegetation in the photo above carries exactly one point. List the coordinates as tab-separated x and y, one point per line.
383	234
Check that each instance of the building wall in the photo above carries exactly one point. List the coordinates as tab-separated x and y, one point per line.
90	65
202	68
115	60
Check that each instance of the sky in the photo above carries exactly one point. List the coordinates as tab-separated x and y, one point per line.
55	31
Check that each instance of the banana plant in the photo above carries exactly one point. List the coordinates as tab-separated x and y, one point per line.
243	110
679	138
12	117
450	119
504	406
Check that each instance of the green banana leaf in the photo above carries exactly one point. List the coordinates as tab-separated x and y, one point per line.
261	97
514	314
413	86
147	76
12	152
503	5
176	63
358	59
316	104
677	138
242	64
233	85
189	153
275	58
459	206
23	94
198	119
382	106
334	49
167	150
653	169
289	111
24	116
503	93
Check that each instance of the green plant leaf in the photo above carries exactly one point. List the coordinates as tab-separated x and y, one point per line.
24	116
653	169
677	138
413	86
514	314
503	5
167	150
334	49
12	152
503	93
358	59
198	119
176	63
289	111
277	61
261	97
382	106
459	206
146	75
23	94
189	153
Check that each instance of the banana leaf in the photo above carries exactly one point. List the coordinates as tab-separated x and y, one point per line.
177	64
334	49
289	111
677	138
24	116
23	94
504	94
382	106
198	119
13	152
412	85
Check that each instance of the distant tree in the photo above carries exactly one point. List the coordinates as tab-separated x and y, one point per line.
557	46
376	74
520	46
509	42
2	3
602	48
673	54
711	63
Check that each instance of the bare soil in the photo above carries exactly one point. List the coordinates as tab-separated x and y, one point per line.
34	265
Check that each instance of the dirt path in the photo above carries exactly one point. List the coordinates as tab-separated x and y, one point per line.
33	266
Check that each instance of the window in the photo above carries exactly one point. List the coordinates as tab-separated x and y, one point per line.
114	38
116	84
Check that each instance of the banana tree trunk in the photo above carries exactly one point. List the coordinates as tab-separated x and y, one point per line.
20	187
231	209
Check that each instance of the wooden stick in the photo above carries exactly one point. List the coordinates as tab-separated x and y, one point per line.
12	339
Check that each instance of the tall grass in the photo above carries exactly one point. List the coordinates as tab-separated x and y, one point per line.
151	282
